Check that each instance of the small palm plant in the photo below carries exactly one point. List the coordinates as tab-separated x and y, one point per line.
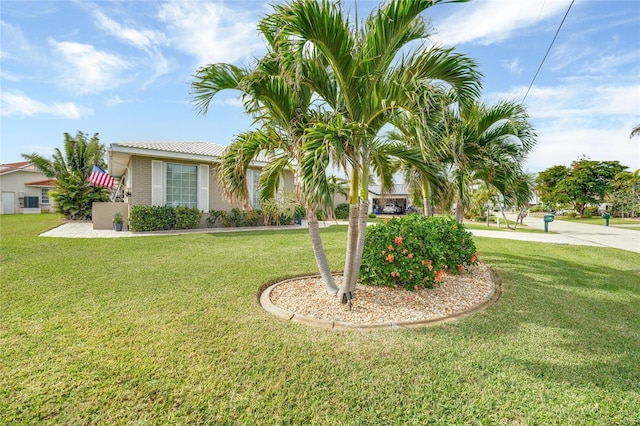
117	220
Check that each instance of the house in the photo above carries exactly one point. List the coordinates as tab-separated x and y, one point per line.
24	189
398	197
175	174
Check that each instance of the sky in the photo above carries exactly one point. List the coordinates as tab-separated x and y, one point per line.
123	69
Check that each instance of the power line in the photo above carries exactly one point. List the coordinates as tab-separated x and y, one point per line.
548	50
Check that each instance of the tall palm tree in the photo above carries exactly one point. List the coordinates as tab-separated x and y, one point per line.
489	143
74	195
366	75
635	131
282	110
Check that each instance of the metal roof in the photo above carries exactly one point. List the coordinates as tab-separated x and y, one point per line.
192	148
398	189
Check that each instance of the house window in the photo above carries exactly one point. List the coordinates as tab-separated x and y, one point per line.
182	185
44	196
254	188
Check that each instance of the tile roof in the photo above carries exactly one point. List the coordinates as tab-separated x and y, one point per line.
22	165
46	182
193	148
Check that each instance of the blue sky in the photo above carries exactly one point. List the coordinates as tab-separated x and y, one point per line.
123	69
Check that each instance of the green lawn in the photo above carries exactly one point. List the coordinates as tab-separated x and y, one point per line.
168	330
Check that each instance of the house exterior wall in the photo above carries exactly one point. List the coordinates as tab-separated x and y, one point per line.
140	182
12	186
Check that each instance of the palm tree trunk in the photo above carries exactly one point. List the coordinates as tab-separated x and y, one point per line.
352	248
318	251
352	236
504	215
362	232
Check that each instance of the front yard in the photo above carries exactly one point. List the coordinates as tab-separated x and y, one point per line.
167	329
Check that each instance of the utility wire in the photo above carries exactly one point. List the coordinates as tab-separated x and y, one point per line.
548	50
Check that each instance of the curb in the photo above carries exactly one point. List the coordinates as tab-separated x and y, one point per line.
267	305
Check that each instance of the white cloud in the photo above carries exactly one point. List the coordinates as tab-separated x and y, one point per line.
513	66
490	21
89	70
211	32
13	41
142	39
15	104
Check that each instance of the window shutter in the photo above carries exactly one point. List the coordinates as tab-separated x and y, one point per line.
156	183
203	188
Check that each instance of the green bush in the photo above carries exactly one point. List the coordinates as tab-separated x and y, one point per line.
160	218
342	211
589	212
538	208
415	251
572	215
215	217
187	218
372	216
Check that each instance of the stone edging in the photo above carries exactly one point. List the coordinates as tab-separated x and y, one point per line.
265	302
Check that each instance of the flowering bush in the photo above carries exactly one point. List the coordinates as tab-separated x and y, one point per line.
415	251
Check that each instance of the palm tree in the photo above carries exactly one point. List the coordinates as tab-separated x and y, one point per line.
635	131
74	195
487	143
282	108
366	76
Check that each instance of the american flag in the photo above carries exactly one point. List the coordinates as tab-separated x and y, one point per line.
100	178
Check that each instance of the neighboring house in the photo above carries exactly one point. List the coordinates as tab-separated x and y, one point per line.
175	174
25	189
398	197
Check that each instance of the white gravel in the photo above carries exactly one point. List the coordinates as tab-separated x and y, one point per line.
383	305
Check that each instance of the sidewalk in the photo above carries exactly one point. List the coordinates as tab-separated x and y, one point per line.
567	233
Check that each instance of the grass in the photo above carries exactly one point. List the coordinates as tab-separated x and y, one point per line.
167	329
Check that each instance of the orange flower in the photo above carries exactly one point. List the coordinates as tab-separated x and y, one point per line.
390	258
460	268
398	240
405	251
410	256
390	248
440	274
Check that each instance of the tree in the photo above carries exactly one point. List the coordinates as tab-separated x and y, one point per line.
74	195
281	107
366	75
486	143
586	182
547	186
626	194
635	131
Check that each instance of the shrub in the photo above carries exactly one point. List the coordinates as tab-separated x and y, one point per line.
572	215
589	212
215	217
414	251
342	211
372	216
187	218
538	208
159	218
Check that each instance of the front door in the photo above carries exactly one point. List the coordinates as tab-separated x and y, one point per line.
8	202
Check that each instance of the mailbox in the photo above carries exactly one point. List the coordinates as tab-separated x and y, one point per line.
606	217
547	218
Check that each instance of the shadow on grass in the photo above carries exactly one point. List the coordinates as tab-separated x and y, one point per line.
582	316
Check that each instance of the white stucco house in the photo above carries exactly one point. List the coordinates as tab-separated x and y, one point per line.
24	189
